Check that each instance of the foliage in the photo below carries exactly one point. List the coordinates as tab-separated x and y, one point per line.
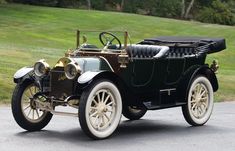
218	13
68	3
2	1
184	9
99	5
169	8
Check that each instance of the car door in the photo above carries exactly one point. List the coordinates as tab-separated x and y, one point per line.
175	68
142	72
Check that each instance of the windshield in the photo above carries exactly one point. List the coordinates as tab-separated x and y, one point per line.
101	39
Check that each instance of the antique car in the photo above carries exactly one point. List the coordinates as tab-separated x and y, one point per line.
119	78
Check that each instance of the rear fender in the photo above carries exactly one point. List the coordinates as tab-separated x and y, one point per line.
189	76
209	74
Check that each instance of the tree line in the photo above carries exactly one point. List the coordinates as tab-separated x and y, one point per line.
210	11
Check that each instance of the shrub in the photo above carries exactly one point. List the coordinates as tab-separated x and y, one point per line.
2	1
218	13
169	8
68	3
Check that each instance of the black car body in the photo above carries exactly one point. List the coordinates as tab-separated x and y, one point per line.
126	79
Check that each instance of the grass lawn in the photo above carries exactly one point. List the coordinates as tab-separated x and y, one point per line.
28	33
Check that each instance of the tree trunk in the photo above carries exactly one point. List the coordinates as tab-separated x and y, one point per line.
183	8
122	4
88	4
189	9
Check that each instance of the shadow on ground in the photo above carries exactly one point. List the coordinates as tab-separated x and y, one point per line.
127	133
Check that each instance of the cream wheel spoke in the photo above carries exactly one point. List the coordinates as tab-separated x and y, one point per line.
193	96
98	96
203	92
27	96
26	107
33	114
200	89
194	112
37	113
102	98
197	111
107	98
99	123
103	120
30	90
93	108
193	101
29	112
200	110
203	108
204	104
94	114
109	104
194	106
96	103
106	116
203	99
96	118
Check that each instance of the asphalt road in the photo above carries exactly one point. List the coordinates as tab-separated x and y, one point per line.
162	130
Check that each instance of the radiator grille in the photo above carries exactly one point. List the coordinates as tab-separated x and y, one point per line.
60	86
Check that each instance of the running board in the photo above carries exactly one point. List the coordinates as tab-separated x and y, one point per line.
149	105
64	113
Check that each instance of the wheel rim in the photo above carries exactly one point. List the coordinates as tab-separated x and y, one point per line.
28	105
102	109
199	100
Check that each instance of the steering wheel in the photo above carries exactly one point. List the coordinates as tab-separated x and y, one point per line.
107	39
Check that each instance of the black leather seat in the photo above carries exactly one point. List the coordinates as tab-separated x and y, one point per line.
147	51
180	52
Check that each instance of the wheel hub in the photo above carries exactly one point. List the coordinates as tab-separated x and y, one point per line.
101	108
32	104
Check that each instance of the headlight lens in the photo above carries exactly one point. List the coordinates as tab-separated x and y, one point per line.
71	70
41	68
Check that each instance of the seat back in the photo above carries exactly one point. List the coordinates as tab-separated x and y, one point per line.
181	52
147	51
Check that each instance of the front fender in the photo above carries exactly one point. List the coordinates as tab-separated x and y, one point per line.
87	76
21	73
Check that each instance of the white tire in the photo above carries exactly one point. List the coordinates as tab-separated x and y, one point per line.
100	109
200	102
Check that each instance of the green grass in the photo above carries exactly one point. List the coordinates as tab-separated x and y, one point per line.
28	33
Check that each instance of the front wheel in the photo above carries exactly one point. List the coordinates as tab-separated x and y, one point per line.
100	109
200	102
24	108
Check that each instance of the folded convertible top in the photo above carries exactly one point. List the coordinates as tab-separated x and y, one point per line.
211	44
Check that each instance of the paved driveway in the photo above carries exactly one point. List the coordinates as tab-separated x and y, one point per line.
162	130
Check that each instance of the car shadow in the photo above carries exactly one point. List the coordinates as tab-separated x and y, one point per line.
127	133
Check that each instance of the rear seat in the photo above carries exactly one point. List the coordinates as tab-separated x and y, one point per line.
180	52
147	51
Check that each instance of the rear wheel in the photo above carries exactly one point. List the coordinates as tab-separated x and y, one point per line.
100	109
200	102
133	113
24	109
